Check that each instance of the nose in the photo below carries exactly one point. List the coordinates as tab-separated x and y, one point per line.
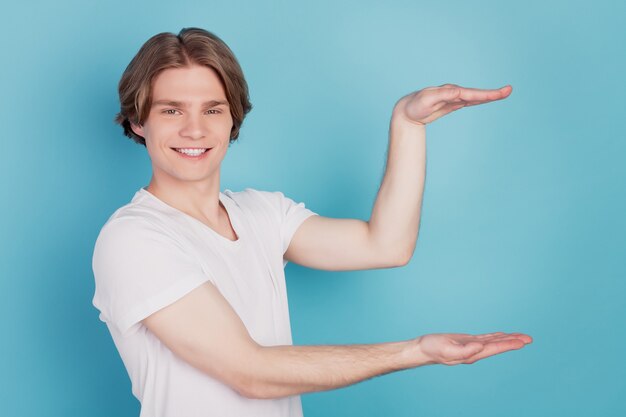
193	127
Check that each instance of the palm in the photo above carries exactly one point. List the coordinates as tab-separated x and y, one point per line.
457	348
429	104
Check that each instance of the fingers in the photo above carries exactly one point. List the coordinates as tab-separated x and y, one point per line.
497	347
523	337
477	96
452	93
489	334
464	348
495	335
505	336
499	344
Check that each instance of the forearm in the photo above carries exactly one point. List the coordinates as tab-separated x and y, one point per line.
395	218
280	371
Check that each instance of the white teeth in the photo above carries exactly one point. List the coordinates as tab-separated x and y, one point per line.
191	152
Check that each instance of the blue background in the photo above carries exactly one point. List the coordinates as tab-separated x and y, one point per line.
523	225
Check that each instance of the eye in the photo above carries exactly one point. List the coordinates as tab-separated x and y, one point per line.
213	111
169	111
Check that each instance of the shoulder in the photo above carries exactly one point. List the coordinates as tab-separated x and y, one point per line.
254	199
253	196
138	223
256	202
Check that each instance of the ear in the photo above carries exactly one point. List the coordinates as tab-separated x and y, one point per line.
138	129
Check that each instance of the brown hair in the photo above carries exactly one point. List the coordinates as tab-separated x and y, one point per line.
167	50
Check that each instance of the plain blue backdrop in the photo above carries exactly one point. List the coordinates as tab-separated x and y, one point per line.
523	225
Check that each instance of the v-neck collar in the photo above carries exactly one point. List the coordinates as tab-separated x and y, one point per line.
228	207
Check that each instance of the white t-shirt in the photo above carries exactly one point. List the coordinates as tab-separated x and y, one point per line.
149	254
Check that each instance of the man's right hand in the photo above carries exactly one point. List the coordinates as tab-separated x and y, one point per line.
204	330
460	348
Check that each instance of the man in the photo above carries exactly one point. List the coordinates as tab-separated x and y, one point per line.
190	280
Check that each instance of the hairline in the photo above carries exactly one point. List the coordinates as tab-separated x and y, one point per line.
177	103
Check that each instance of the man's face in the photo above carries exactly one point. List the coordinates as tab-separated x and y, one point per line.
188	128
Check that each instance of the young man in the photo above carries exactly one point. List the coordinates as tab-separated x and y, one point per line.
190	280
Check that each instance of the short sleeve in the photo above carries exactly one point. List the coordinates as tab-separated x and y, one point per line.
138	270
290	214
294	214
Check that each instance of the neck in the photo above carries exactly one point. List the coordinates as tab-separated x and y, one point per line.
198	199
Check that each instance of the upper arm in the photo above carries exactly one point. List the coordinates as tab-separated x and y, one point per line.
339	244
204	330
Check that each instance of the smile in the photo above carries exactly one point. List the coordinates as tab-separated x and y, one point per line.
193	152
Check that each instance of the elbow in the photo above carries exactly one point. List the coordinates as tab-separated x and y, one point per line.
401	262
242	375
249	383
394	259
248	390
257	391
245	386
403	256
240	382
394	254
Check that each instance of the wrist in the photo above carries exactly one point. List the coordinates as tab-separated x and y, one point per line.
402	130
401	124
415	356
399	117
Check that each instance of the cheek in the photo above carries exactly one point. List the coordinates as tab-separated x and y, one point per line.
228	125
150	149
157	133
153	146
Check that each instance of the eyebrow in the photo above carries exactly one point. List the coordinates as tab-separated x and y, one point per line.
174	103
